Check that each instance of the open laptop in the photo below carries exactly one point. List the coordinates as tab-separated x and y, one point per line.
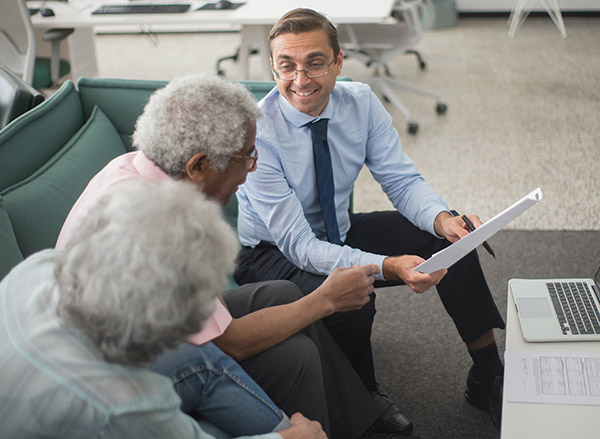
558	309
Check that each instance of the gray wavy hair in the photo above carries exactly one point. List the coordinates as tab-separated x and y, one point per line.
143	269
193	114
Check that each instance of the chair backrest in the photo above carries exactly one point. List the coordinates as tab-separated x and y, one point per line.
381	42
17	39
16	97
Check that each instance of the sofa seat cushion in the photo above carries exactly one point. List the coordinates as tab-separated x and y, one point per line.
38	205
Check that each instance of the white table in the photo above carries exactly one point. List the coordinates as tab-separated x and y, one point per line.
546	421
255	18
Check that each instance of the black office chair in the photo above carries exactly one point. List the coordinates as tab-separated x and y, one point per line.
234	58
16	97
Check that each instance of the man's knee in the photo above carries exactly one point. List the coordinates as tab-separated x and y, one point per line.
292	362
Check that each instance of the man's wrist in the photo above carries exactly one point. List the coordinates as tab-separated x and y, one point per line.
387	269
318	303
437	223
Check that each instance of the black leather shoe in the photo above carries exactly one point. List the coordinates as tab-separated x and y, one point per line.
390	420
486	395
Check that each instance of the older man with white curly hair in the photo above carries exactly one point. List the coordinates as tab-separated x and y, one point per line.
202	129
137	277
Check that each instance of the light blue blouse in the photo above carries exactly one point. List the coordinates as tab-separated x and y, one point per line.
279	202
54	382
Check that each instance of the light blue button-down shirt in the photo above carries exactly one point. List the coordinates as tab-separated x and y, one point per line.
279	203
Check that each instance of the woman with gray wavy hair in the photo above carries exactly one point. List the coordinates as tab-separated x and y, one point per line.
142	273
139	275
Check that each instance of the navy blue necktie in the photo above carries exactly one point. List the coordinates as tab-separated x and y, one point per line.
324	174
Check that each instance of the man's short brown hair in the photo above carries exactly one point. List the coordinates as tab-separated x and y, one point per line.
303	20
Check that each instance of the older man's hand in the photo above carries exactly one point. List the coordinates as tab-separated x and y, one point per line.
401	268
348	288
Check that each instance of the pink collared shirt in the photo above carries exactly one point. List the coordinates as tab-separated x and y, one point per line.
123	168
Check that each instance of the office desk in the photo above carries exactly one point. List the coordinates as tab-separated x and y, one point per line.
546	421
255	19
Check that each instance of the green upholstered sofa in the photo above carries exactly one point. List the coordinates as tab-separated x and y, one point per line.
49	154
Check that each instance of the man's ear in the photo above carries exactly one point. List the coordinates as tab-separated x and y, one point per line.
339	64
273	69
196	167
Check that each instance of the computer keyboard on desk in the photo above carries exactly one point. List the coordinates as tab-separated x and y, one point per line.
143	8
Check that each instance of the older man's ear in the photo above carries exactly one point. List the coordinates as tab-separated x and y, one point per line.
196	168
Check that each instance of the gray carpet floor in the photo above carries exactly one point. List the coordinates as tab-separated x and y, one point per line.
419	357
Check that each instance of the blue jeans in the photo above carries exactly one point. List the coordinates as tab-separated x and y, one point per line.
213	386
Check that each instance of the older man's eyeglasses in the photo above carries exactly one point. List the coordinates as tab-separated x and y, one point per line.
249	159
289	72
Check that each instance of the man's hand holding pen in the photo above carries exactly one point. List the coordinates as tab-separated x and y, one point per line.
454	226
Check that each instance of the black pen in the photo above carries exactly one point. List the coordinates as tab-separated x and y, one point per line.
472	228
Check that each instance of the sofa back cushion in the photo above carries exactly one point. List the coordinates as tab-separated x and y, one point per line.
31	140
122	100
10	255
38	205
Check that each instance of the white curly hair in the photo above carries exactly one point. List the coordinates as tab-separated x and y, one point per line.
193	114
142	270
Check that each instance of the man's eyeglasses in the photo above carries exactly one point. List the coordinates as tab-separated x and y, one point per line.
250	159
313	70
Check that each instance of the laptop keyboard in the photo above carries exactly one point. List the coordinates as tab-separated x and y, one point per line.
145	8
575	307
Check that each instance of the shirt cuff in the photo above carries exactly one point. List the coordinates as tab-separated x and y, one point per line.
370	258
432	213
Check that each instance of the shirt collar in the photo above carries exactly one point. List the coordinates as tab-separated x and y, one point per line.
300	119
147	169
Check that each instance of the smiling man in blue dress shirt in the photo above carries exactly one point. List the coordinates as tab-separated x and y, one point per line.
285	232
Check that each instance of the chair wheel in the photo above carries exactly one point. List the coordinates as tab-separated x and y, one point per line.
440	108
422	65
412	127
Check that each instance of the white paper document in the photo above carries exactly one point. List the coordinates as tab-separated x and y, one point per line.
451	254
552	378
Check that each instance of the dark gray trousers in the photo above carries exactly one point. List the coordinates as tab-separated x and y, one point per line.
308	372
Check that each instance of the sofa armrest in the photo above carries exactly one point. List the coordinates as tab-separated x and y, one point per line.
16	97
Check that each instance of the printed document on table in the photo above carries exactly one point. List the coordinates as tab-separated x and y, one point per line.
453	253
552	378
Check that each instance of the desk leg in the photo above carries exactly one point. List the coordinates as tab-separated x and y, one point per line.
255	36
82	53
